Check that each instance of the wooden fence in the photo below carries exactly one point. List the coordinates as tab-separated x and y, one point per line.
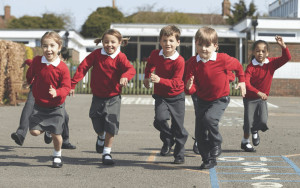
135	86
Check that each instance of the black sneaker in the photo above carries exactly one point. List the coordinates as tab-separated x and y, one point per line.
195	148
99	148
208	164
165	150
255	141
47	137
247	147
57	165
19	139
107	161
68	146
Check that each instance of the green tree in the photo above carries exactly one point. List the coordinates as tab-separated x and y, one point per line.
47	21
240	12
100	20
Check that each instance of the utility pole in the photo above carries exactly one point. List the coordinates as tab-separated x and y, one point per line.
113	4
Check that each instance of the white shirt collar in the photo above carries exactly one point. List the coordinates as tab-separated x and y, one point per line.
212	58
113	56
255	62
172	57
54	63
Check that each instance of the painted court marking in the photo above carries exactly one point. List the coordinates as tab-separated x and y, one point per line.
256	171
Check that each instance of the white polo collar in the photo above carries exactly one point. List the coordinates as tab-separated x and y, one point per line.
113	56
212	58
54	63
172	57
255	62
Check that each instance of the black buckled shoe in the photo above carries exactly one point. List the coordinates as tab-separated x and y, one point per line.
255	141
216	151
208	164
68	146
179	160
195	148
247	147
99	148
57	165
47	137
107	161
165	150
19	139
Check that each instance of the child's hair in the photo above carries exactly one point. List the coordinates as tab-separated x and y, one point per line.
169	31
114	32
257	43
55	36
206	36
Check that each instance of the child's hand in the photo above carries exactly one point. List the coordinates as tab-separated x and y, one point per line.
280	41
242	87
154	78
52	91
189	83
72	92
124	82
147	83
262	95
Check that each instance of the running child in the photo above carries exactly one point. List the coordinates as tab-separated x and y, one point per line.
51	84
208	77
111	71
168	92
258	75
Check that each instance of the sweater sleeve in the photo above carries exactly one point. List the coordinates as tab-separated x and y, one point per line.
248	76
232	64
82	69
31	70
65	84
176	81
150	66
128	70
277	62
189	72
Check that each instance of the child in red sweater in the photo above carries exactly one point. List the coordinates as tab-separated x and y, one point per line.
51	84
168	92
111	71
208	76
259	74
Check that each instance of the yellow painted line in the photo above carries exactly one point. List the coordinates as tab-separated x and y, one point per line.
284	114
294	155
151	159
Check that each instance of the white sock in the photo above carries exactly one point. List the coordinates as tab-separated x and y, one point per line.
254	135
107	150
244	140
57	154
100	142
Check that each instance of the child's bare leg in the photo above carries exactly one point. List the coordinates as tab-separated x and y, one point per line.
246	135
35	132
109	138
106	158
57	141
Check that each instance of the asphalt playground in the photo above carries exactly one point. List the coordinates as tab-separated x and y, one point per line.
276	162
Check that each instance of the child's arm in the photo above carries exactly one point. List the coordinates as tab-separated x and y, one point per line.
30	73
285	57
176	80
150	67
127	69
64	85
262	95
248	75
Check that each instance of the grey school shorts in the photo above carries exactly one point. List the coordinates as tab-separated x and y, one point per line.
105	114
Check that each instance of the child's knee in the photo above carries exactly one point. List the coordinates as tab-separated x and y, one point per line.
35	132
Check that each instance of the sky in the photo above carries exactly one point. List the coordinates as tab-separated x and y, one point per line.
79	11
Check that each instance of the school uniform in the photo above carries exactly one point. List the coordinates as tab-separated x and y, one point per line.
259	79
48	113
105	84
211	85
169	98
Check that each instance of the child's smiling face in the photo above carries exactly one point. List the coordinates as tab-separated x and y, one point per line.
169	44
110	44
50	49
205	50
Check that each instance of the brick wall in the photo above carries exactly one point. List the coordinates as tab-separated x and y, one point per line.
283	87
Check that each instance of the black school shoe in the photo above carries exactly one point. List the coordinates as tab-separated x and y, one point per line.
179	160
166	148
99	149
107	161
208	164
216	151
68	146
255	141
247	147
57	165
47	137
19	139
195	148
